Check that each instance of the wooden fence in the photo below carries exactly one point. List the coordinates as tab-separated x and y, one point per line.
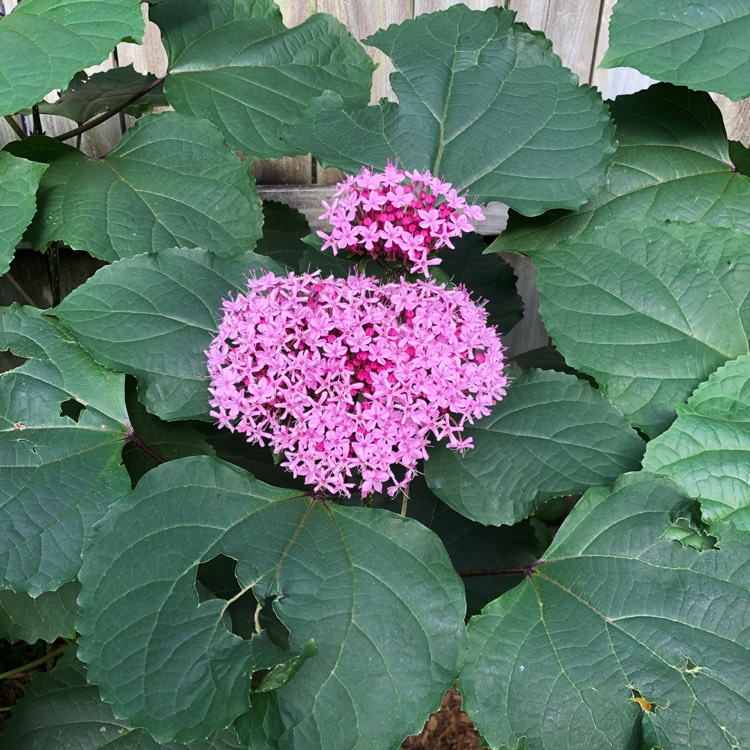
578	30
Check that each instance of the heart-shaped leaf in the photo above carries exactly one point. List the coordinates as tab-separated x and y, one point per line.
707	449
19	180
699	44
236	64
154	316
619	635
44	42
375	591
461	75
50	616
672	162
62	423
60	709
551	435
648	309
170	181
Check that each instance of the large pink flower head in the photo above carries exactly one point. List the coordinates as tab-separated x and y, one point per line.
397	216
352	379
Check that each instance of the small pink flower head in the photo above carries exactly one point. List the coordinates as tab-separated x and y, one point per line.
352	380
398	216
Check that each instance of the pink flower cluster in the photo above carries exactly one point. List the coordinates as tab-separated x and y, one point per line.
351	379
397	216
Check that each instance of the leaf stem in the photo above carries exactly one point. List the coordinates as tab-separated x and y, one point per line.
110	113
17	129
524	570
27	298
134	438
32	664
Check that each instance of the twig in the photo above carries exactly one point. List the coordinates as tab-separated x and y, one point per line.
17	129
405	500
111	113
32	664
27	298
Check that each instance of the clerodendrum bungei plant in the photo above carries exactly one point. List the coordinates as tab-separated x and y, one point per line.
279	489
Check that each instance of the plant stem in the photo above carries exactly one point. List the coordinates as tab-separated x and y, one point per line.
27	298
525	570
17	129
134	438
32	664
405	501
111	113
37	120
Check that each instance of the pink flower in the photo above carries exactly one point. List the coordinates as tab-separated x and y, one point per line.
352	380
416	213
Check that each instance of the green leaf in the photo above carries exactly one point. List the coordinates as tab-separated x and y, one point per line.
154	316
460	77
486	277
60	473
672	162
701	44
50	616
551	435
374	590
707	449
648	309
170	181
60	710
44	42
154	441
236	64
615	612
88	96
19	180
283	230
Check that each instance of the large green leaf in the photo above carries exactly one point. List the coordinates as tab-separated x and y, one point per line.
648	309
672	162
236	64
170	181
44	42
615	608
61	710
551	435
62	422
88	96
707	449
375	591
699	44
50	616
463	82
19	180
154	316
